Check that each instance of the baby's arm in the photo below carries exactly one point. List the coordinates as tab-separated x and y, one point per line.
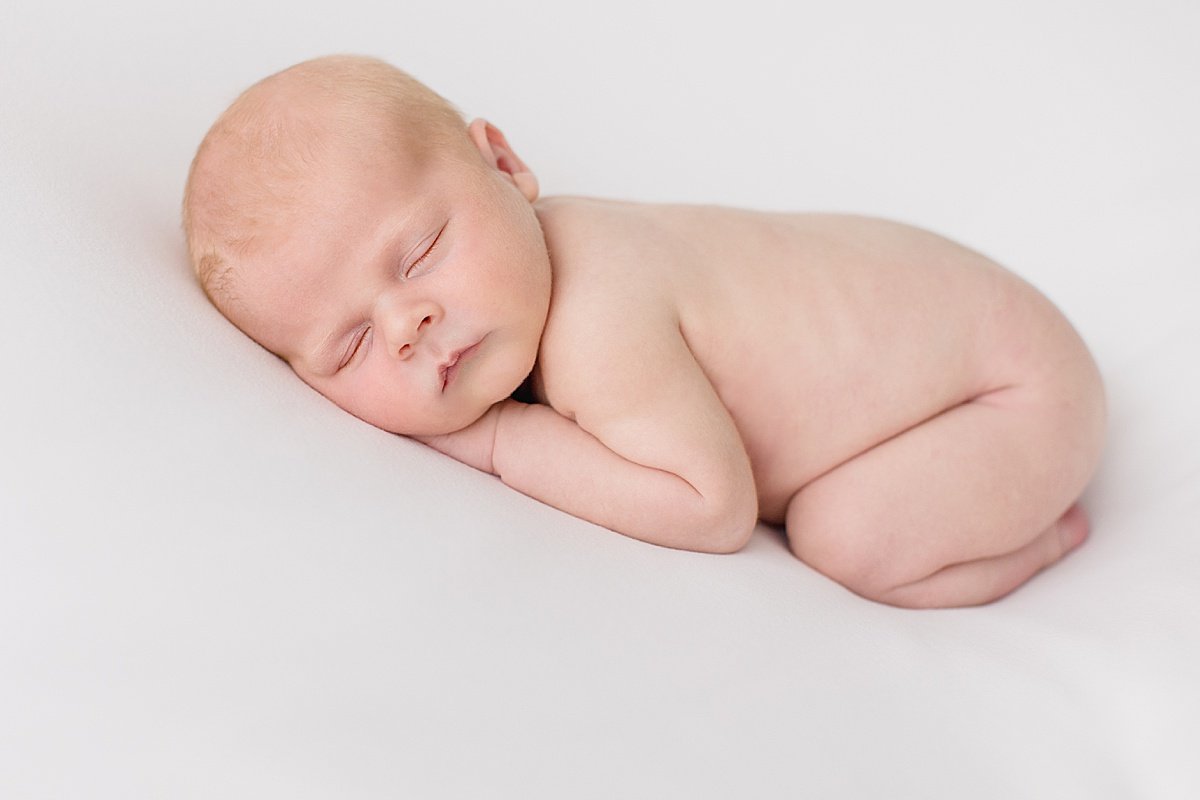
652	452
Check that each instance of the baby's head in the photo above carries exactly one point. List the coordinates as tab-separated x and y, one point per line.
346	218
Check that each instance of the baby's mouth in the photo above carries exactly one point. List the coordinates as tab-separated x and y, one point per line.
449	369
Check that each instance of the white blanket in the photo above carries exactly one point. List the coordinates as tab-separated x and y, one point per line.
214	584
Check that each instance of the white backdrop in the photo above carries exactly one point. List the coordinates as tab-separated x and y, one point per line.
214	584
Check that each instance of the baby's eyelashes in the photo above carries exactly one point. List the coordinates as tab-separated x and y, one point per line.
433	245
355	346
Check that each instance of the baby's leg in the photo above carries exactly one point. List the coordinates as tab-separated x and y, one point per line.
964	507
983	580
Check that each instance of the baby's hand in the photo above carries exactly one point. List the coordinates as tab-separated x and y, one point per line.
474	444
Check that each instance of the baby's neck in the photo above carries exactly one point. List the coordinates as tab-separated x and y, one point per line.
531	389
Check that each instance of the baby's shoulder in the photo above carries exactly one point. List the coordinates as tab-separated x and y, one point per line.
609	257
606	260
593	239
609	305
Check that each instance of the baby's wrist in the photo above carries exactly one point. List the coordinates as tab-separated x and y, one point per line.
500	410
505	412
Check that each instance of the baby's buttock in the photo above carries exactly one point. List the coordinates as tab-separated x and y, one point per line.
826	335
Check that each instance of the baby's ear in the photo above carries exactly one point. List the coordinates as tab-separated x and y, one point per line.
497	152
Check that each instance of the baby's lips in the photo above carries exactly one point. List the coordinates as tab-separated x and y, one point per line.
448	371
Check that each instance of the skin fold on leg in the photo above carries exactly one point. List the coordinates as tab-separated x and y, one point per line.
987	579
958	510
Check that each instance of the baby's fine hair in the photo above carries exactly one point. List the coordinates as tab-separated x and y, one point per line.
251	162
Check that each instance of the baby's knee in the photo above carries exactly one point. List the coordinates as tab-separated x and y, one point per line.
847	548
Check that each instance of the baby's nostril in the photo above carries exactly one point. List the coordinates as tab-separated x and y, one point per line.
425	322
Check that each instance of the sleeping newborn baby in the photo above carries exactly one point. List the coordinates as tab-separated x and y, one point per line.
920	420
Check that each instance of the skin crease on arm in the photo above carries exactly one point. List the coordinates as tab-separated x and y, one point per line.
539	452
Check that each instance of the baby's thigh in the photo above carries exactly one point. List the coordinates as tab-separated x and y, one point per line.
976	480
1038	375
1043	370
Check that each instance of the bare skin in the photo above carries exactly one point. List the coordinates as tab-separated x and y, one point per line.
919	419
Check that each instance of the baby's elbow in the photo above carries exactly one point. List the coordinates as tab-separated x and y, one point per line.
727	526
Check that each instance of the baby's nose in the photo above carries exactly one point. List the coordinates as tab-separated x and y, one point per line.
405	349
405	326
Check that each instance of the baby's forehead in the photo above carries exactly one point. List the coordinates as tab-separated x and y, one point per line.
271	168
278	134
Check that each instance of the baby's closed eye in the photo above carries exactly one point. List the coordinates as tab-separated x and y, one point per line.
408	273
356	344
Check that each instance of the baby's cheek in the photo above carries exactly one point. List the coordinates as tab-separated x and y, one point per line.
360	398
336	392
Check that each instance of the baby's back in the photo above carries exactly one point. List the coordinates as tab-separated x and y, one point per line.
823	335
